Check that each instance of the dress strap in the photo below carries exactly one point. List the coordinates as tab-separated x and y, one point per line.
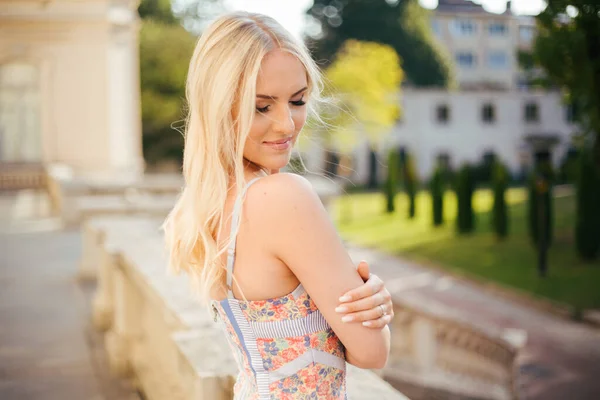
235	216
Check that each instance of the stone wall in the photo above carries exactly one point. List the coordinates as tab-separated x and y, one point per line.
156	332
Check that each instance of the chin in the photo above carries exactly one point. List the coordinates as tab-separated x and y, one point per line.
278	163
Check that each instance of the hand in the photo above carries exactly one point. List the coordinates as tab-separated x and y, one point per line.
370	303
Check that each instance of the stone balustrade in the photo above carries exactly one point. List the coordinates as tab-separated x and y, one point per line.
156	332
153	195
436	353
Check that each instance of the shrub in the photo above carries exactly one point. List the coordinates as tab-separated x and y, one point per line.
391	183
587	227
465	187
410	184
500	216
540	195
437	196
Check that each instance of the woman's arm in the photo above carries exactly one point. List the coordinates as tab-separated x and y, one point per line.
300	233
370	303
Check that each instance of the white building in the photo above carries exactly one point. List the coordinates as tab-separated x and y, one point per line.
464	126
69	85
492	111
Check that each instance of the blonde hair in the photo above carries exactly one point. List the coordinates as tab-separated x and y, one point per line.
221	92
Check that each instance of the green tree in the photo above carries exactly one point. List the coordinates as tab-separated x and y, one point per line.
567	47
500	211
540	206
465	188
403	25
391	183
410	184
165	51
158	11
437	196
363	83
587	228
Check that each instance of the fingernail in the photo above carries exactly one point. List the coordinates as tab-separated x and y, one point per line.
341	309
367	323
345	298
347	318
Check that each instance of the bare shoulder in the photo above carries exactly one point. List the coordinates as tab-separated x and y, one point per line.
283	195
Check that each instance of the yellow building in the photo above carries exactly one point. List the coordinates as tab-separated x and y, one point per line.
69	85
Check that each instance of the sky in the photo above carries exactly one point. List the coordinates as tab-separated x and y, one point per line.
290	13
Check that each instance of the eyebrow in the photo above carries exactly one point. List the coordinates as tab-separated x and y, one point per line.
264	96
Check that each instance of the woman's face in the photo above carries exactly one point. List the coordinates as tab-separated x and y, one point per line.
281	96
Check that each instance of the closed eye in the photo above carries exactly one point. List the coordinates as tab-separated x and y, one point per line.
300	102
263	109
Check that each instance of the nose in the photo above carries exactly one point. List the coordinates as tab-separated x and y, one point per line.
283	121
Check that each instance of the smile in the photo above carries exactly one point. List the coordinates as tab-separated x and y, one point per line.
282	144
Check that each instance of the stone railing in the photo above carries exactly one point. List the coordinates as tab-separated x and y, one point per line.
437	354
80	198
154	195
156	333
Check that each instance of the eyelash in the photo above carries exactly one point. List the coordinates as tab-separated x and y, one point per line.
297	103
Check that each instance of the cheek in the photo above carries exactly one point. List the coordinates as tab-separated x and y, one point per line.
258	129
299	118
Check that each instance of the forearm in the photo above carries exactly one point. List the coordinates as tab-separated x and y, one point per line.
377	358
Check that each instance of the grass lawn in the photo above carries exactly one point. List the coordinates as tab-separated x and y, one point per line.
361	219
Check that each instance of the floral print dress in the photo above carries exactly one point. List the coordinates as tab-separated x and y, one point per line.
284	347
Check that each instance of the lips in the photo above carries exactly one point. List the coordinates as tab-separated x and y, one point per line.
279	145
280	141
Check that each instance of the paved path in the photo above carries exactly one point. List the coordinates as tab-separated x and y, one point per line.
561	360
48	350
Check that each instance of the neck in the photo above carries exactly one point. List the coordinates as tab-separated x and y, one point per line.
255	169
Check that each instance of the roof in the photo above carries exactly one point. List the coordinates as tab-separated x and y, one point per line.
464	6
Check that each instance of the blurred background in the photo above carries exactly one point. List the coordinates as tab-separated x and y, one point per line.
460	156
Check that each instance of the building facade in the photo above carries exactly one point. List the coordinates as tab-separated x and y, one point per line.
69	84
493	111
483	45
465	126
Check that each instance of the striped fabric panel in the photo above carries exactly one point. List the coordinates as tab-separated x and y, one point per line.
305	360
249	340
313	322
225	304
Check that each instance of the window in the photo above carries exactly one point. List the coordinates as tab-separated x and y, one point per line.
497	59
526	33
443	161
488	113
465	59
571	113
20	135
532	113
464	27
497	29
443	114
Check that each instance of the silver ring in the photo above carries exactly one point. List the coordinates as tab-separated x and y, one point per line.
383	312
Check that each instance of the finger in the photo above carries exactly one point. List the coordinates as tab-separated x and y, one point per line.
366	304
363	270
370	287
367	315
379	322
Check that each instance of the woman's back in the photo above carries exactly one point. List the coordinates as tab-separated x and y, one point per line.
284	346
249	86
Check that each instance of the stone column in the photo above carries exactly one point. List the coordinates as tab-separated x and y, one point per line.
123	90
124	332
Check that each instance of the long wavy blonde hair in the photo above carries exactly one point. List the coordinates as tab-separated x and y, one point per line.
221	95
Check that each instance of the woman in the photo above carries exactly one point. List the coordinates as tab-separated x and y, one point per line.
259	242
